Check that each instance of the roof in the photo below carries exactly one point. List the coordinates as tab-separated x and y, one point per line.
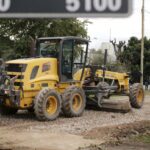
64	38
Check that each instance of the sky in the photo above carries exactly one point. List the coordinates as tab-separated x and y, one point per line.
104	29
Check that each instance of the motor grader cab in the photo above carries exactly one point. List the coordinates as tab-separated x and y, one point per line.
49	82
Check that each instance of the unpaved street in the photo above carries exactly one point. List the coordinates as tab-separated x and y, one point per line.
24	131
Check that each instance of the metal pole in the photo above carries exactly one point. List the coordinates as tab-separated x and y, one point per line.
142	43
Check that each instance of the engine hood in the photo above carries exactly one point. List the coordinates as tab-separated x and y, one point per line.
30	60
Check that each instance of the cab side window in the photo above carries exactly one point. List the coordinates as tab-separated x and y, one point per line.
34	72
67	59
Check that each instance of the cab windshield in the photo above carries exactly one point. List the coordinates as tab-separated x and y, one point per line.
49	48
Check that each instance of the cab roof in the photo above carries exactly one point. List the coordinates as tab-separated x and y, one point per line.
64	38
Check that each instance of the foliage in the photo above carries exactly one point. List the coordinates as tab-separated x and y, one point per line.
23	32
132	56
5	47
143	139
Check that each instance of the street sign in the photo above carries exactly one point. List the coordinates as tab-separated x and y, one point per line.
64	8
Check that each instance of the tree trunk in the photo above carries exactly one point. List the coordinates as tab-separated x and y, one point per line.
32	44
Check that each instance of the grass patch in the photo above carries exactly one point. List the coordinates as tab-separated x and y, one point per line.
143	139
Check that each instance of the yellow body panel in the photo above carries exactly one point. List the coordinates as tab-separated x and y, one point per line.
122	78
78	74
49	78
31	87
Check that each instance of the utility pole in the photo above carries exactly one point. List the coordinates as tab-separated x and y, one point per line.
142	42
110	35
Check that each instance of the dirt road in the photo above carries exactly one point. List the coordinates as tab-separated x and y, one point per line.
23	131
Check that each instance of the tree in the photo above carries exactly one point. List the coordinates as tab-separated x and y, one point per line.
118	48
119	64
5	47
131	56
23	32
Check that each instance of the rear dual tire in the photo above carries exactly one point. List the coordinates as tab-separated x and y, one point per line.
74	102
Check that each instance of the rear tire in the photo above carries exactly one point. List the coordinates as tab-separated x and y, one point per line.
47	105
74	102
136	95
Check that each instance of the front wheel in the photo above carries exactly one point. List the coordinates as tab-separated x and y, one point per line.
136	95
47	105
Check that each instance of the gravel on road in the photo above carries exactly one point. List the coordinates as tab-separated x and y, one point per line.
23	131
91	118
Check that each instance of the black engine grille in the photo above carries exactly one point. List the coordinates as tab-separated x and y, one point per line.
16	67
18	84
19	77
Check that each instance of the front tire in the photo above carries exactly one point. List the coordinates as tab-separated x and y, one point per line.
74	102
47	105
136	95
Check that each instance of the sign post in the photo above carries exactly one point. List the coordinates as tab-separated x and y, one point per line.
64	8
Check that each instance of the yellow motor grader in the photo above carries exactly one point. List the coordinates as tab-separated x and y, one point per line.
58	79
